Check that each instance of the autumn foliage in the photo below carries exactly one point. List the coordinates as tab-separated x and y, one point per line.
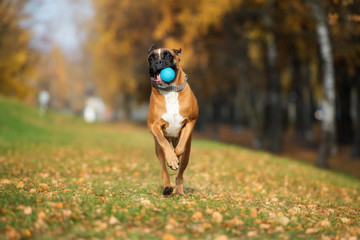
16	56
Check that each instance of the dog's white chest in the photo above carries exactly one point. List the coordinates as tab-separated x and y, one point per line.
172	115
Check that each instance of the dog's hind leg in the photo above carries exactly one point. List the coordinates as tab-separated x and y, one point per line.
165	174
184	160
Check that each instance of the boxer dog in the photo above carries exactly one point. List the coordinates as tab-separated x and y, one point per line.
173	111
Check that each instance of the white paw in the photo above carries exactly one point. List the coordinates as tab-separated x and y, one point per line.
173	162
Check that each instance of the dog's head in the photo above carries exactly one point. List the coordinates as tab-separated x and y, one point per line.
160	58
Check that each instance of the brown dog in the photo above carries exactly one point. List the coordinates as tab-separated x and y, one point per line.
173	111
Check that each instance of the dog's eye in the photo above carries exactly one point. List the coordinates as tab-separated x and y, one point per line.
168	56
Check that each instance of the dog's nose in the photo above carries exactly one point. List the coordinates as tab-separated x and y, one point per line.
160	61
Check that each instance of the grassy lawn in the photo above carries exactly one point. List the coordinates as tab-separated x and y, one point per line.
62	178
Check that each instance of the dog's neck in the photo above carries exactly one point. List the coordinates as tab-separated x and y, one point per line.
177	85
180	78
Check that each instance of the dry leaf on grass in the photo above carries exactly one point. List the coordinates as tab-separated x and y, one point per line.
20	185
325	223
217	217
168	236
311	230
197	216
221	237
253	212
27	210
252	234
67	213
264	226
283	220
113	220
5	181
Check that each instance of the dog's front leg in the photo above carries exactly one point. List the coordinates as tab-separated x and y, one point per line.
182	150
185	136
165	175
169	154
165	154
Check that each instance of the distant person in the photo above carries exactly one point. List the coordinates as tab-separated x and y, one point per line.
44	98
89	114
94	109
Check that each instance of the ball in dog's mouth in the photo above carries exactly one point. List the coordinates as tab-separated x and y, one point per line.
158	80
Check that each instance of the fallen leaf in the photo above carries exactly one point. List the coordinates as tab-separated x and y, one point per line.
40	223
325	223
26	233
209	211
236	221
113	220
27	210
294	210
264	226
43	187
252	234
345	220
59	205
172	223
324	237
283	220
145	201
221	237
197	216
137	174
168	236
11	233
253	213
33	190
20	184
67	212
5	181
217	217
258	221
41	214
279	229
311	230
198	228
331	211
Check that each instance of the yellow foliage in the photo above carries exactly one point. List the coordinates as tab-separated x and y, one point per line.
15	55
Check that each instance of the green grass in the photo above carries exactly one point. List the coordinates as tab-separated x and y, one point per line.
62	178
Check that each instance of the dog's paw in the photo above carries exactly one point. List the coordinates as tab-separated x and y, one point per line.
173	163
179	190
167	190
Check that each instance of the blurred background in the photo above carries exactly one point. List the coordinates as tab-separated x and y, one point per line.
281	76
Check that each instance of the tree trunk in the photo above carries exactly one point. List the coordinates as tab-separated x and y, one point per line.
303	101
308	103
328	123
344	121
299	101
355	153
274	129
253	98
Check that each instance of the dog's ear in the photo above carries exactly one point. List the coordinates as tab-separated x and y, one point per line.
152	47
177	51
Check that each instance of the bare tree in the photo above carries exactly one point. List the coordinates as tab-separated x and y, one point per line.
328	123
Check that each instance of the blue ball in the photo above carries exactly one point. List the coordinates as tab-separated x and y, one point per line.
167	74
